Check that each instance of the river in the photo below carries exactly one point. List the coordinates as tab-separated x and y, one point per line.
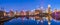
19	21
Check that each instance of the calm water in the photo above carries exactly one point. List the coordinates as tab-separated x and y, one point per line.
19	21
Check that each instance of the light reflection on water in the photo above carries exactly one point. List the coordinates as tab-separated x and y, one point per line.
19	21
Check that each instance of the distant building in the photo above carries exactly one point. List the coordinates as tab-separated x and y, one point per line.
11	13
5	13
37	12
22	13
1	13
17	13
28	13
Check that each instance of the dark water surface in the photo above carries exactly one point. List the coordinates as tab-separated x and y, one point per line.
19	21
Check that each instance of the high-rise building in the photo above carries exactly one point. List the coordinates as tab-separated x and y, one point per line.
49	12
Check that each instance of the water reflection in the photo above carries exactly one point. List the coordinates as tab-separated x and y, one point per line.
25	21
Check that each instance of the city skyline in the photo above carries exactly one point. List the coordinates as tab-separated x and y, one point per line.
29	12
28	4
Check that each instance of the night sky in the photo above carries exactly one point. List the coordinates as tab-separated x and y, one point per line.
28	4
